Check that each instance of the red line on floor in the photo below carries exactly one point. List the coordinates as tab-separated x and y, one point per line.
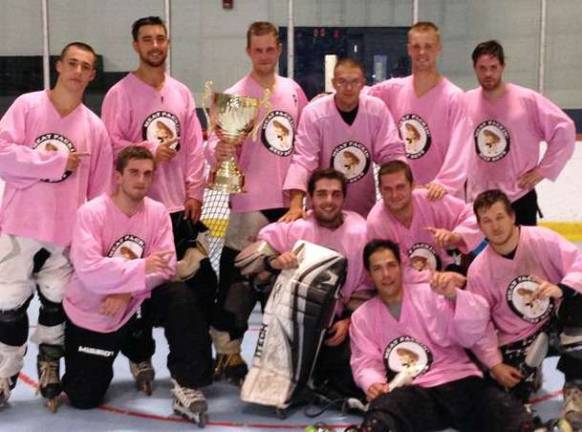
175	419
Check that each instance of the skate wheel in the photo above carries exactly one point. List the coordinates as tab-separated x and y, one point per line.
52	405
281	413
565	426
203	420
147	388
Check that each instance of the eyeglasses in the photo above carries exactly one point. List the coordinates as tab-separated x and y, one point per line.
348	83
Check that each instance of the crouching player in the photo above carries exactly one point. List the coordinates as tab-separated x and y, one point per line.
416	334
532	279
123	257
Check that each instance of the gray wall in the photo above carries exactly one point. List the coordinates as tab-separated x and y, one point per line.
208	42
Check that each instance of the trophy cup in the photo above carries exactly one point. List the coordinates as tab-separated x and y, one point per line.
232	118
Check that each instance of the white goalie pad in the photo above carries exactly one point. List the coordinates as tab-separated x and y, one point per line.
296	316
251	259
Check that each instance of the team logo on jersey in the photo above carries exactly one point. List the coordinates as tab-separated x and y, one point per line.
491	141
407	354
53	142
352	159
162	128
278	132
423	256
416	136
129	247
522	299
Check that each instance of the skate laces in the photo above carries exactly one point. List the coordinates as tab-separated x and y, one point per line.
4	389
189	397
144	367
49	373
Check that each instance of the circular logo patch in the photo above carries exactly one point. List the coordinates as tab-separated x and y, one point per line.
491	141
277	133
129	247
522	299
162	128
406	353
416	136
352	159
53	142
423	256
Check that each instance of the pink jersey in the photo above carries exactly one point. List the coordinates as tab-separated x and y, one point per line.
506	139
507	285
417	247
264	160
325	140
41	197
428	340
108	253
434	129
136	113
348	239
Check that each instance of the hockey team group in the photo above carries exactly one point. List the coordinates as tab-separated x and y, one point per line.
432	307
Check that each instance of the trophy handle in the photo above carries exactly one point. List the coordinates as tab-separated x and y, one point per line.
266	104
205	99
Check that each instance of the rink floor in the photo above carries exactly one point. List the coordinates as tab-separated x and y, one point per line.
126	409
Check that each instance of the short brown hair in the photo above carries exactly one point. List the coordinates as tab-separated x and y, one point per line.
350	62
377	244
425	26
485	200
396	166
82	46
261	28
326	173
132	152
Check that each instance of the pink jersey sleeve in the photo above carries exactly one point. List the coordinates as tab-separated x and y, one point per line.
388	145
101	274
453	172
101	164
163	241
558	131
19	163
305	157
366	358
194	162
116	114
277	235
566	256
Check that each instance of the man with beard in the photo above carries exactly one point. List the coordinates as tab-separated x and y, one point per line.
343	231
348	131
152	109
114	295
519	119
432	105
425	230
54	154
264	162
530	277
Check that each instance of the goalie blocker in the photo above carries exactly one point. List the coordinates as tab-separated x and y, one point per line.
297	314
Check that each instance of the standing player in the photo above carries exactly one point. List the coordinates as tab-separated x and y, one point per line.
421	332
264	161
531	278
510	122
429	111
123	255
54	154
346	131
425	230
152	109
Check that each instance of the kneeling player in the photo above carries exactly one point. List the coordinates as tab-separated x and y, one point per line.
530	276
419	332
123	256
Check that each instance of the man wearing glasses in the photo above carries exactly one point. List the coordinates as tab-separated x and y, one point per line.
346	131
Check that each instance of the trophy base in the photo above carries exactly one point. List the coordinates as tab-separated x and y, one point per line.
227	178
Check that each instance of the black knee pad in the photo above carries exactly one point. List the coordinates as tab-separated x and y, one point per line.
51	313
570	312
14	325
